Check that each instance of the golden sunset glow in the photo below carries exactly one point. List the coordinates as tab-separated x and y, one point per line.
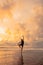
19	17
2	30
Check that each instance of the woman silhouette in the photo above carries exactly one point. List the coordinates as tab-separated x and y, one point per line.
21	43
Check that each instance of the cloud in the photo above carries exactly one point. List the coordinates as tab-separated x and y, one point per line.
6	4
23	17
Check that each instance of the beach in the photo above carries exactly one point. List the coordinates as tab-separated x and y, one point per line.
14	57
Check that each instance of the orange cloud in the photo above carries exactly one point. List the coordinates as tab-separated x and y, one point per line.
21	19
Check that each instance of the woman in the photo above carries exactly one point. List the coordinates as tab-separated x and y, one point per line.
21	43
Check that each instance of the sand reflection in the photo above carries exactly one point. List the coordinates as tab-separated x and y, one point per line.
11	58
20	59
8	58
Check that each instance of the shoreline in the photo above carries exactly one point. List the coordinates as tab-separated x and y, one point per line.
17	48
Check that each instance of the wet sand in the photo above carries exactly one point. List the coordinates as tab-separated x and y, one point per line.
14	57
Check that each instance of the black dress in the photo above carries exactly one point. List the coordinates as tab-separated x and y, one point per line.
22	42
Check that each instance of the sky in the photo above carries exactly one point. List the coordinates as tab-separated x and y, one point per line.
22	17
